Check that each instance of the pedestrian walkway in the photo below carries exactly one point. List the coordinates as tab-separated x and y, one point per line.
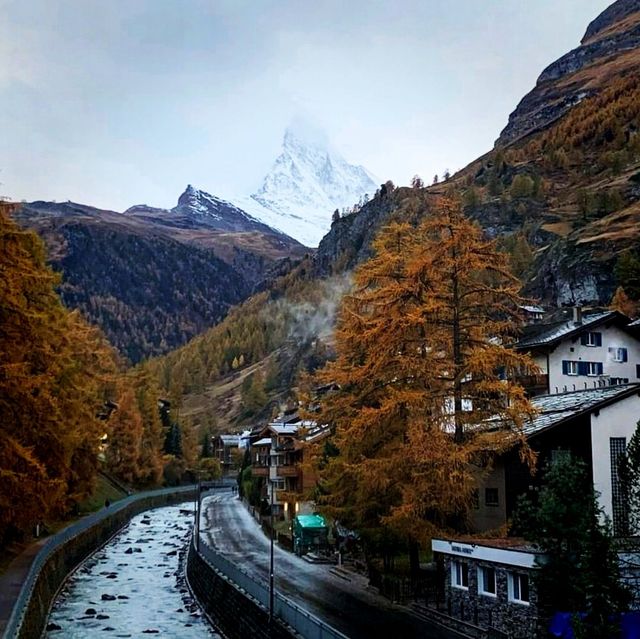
12	579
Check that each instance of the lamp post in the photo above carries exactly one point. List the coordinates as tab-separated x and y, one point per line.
271	583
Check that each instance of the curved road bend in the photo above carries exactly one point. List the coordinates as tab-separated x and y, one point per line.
347	606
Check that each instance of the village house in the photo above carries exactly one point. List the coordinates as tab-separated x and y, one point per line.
223	447
582	352
278	454
490	583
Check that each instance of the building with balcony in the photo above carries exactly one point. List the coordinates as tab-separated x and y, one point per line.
584	352
278	456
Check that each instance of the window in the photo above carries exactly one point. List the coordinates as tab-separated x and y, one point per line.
487	581
617	448
518	588
475	499
460	574
569	368
491	497
619	354
638	371
594	368
591	339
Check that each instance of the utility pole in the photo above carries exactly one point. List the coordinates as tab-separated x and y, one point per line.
271	583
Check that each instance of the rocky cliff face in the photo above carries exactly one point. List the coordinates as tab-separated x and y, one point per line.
612	38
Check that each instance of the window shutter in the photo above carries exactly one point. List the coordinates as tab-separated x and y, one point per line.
583	368
599	368
583	339
565	367
625	357
598	339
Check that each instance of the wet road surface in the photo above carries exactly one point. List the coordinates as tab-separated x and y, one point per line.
348	606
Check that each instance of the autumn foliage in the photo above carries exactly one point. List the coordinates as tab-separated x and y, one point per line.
422	364
54	373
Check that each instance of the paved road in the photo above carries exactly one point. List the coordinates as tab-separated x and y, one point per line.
347	606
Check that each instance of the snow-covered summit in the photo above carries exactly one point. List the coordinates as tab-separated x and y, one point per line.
306	183
198	208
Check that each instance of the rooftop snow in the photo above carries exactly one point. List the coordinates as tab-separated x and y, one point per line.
284	429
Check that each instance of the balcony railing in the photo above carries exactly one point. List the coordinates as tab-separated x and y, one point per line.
287	471
533	381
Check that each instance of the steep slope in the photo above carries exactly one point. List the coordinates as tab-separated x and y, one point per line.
611	46
562	195
153	279
307	182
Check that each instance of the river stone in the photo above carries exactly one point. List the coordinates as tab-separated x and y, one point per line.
108	598
90	611
53	626
102	616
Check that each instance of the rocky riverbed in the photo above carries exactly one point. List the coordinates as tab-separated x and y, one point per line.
134	586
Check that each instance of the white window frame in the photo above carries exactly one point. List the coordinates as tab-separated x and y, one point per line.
592	369
511	588
591	340
457	573
572	368
481	583
617	354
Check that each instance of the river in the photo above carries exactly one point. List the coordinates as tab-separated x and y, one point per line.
134	586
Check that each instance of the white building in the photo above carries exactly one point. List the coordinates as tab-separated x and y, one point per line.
590	351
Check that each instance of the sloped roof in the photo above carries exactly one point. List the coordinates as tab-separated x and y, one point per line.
265	441
230	440
548	334
554	409
284	429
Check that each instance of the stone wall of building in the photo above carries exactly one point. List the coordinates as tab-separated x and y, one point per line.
516	620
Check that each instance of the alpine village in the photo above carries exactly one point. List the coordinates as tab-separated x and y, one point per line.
427	426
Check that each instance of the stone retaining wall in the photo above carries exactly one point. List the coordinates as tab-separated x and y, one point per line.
233	611
68	549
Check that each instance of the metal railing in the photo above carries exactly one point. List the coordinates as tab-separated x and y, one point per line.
301	620
57	540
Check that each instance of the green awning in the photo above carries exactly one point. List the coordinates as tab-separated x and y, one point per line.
311	521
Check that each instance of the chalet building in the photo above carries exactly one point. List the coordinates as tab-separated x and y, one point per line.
490	584
584	352
594	425
278	456
223	447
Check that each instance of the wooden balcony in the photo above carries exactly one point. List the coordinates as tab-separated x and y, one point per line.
534	384
287	471
260	471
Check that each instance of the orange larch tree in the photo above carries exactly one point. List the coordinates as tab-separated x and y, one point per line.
427	397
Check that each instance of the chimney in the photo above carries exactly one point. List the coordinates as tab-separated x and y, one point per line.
577	315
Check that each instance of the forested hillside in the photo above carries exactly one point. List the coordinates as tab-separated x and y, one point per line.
560	191
153	279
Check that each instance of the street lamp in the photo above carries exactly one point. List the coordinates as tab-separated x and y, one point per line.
271	584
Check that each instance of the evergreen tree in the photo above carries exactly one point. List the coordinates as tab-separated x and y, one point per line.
622	303
418	344
627	272
580	571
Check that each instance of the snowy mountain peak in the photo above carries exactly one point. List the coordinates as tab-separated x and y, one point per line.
306	183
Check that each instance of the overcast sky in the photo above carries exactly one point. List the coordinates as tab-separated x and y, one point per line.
118	102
